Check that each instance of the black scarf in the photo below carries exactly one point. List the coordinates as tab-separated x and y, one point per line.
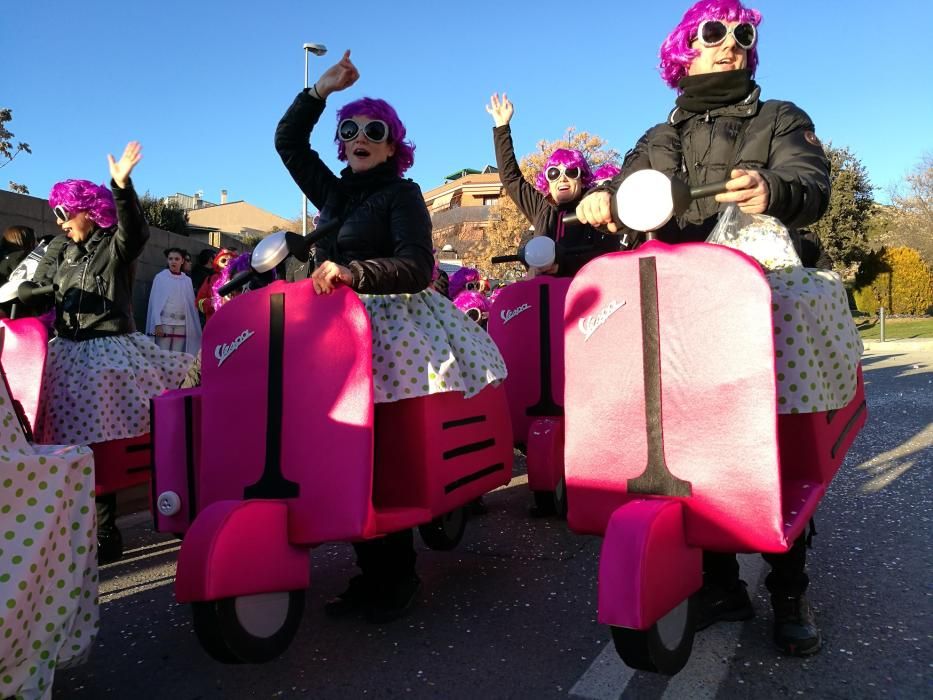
701	93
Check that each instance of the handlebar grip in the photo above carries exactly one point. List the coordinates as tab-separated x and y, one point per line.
238	281
708	190
29	292
571	218
505	259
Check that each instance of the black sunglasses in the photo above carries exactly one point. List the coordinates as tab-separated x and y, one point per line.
554	172
712	32
61	213
376	130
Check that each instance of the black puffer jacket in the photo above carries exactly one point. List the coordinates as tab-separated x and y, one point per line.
95	278
385	238
544	214
773	137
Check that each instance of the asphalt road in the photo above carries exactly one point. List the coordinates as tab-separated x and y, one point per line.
512	612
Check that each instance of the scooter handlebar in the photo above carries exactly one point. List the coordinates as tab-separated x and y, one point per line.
238	281
30	292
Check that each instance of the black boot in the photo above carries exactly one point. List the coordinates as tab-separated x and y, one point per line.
721	603
795	630
356	598
109	539
393	600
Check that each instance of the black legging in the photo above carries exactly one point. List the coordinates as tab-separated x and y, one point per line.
788	574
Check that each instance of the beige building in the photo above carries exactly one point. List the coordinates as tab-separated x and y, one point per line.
460	209
238	219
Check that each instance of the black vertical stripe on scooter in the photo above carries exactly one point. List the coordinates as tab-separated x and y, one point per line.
153	487
657	478
189	459
847	428
469	478
546	405
273	484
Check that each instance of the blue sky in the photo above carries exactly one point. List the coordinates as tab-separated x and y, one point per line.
202	84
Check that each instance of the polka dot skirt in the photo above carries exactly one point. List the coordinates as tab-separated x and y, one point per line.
423	345
48	563
816	344
99	390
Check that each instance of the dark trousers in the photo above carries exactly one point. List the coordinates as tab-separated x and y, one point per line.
106	513
788	576
389	559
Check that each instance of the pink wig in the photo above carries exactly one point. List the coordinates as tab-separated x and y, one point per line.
82	195
606	171
676	54
459	280
238	264
495	295
473	304
379	109
570	158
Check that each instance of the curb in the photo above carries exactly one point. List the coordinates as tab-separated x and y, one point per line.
904	344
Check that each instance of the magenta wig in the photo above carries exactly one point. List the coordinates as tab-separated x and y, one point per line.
676	53
379	109
82	195
604	172
238	264
568	157
459	280
473	304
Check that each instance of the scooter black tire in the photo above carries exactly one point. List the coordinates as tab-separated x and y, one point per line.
444	532
230	633
663	648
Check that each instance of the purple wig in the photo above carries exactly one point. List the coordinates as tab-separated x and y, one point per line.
459	279
379	109
570	158
676	53
82	195
604	172
238	264
473	304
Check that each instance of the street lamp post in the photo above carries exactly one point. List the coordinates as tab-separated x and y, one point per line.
317	50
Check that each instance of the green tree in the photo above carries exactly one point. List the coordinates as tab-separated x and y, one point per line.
9	150
167	216
508	226
843	230
895	278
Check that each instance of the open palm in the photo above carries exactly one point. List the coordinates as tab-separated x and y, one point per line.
120	169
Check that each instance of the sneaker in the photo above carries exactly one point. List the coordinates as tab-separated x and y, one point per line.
109	545
795	630
718	603
393	601
354	599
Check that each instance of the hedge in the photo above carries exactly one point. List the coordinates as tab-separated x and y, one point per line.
897	279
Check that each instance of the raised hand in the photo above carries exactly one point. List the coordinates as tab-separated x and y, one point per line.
500	109
120	169
338	77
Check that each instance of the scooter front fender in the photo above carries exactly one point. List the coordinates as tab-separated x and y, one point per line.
646	567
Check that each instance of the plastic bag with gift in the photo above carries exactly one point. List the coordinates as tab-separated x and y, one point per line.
761	237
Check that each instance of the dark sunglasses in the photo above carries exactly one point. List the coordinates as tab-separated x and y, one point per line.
554	172
376	131
474	286
713	32
61	213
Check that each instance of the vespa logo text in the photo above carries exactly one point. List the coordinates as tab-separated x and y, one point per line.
222	352
509	314
591	324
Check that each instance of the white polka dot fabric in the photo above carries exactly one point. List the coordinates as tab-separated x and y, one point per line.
422	344
816	344
99	390
48	560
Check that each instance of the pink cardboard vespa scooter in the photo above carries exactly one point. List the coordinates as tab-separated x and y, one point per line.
526	323
674	439
281	448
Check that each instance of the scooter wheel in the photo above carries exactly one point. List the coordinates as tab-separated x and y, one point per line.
248	629
663	648
444	532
